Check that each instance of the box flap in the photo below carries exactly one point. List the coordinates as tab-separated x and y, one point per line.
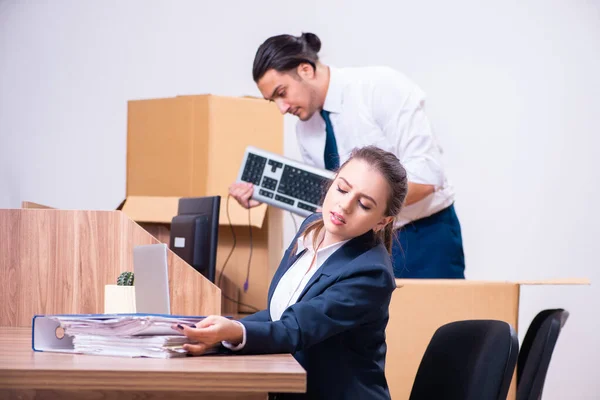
239	215
151	208
162	209
31	204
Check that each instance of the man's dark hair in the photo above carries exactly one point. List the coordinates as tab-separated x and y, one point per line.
285	52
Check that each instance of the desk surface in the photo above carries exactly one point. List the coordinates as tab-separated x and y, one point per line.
22	368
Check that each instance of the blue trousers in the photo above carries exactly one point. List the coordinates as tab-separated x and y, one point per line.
430	247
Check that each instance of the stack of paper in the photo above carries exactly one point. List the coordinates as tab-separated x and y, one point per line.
127	335
131	346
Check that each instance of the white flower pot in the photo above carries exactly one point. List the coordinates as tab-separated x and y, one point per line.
119	299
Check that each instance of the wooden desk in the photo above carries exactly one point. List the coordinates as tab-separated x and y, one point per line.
25	374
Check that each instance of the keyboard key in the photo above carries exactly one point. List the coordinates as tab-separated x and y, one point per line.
284	200
306	207
254	168
269	183
302	185
265	193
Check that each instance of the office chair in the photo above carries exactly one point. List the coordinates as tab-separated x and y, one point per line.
536	352
468	360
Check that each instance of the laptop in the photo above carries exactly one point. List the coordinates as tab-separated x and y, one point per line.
151	279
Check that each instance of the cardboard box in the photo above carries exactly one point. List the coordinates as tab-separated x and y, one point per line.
191	146
188	146
420	306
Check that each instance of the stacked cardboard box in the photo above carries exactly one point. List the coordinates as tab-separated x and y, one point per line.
192	146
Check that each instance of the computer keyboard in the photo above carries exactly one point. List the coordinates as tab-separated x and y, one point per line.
282	182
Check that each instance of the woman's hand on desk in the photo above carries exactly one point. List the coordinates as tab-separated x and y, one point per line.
210	332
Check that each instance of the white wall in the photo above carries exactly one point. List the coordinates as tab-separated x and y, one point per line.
513	94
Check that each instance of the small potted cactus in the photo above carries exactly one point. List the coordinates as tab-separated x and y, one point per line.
125	279
120	298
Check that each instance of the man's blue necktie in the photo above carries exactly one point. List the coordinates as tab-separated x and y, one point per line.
331	156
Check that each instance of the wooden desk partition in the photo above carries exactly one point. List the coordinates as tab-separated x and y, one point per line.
58	261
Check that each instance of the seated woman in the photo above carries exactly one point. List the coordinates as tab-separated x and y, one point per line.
328	301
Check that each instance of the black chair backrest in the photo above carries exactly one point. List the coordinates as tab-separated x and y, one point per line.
536	352
468	360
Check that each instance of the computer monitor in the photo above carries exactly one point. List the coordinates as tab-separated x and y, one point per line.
195	233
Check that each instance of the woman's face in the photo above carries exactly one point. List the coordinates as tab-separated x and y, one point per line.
356	201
